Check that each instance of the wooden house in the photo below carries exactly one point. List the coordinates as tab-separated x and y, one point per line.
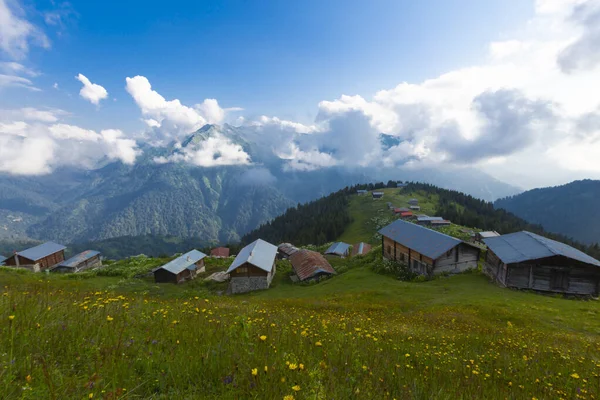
415	208
427	220
425	251
220	252
181	269
85	260
524	260
339	249
377	195
309	265
400	210
360	249
413	202
440	222
361	192
406	215
38	258
253	268
285	250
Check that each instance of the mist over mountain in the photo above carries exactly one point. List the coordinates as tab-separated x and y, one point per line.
188	189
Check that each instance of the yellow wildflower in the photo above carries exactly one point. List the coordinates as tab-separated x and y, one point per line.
254	371
11	317
266	369
296	388
108	318
292	366
288	397
263	338
575	375
301	366
28	378
318	344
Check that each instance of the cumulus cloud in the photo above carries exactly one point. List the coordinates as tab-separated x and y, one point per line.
584	52
92	92
16	33
216	150
36	148
171	119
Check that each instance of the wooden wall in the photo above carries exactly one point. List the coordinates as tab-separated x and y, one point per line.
495	268
555	274
247	270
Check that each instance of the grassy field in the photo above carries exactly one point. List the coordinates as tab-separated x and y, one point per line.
371	215
357	335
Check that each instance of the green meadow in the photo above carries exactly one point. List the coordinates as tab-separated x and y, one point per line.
358	335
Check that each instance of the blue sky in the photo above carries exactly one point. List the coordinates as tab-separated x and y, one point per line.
275	58
502	86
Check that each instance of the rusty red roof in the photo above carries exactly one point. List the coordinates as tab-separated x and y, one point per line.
307	264
406	214
220	252
361	248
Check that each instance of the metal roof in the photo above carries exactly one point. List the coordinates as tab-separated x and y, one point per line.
361	248
307	263
525	246
79	258
259	253
220	252
427	218
2	259
184	261
287	248
338	248
428	242
41	251
488	234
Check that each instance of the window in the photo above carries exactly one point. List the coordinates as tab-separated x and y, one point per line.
242	270
559	280
389	249
402	257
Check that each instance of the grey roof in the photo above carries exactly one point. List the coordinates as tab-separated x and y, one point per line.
525	246
428	242
488	234
339	248
427	218
41	251
79	258
259	253
184	261
2	258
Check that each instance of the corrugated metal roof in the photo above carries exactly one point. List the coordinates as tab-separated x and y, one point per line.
41	251
287	248
427	218
525	246
361	248
488	234
401	209
184	261
220	252
79	258
428	242
259	253
406	214
338	248
307	263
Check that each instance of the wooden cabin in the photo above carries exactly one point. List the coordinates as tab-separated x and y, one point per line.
524	260
310	265
338	249
253	268
38	258
285	250
181	269
425	251
377	195
85	260
220	252
360	249
413	202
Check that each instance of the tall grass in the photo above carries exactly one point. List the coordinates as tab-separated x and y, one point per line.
60	342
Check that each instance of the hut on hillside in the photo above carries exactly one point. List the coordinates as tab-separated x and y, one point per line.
400	210
360	249
339	249
406	215
415	208
220	252
181	269
524	260
377	195
253	268
80	262
38	258
427	220
308	265
479	236
425	251
361	192
285	250
413	202
440	222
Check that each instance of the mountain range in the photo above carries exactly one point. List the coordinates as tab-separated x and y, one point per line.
162	194
572	209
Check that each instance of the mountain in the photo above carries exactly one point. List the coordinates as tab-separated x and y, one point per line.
216	204
572	209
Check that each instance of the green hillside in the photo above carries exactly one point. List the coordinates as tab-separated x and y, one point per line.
357	335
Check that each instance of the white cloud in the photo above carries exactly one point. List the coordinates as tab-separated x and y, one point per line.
38	148
17	81
217	150
170	118
33	114
16	33
12	68
92	92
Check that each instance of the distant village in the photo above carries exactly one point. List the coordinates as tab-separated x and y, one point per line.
521	260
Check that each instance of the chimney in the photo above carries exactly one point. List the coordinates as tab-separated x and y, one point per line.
16	259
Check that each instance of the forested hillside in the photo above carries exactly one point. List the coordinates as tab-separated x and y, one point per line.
326	219
571	209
